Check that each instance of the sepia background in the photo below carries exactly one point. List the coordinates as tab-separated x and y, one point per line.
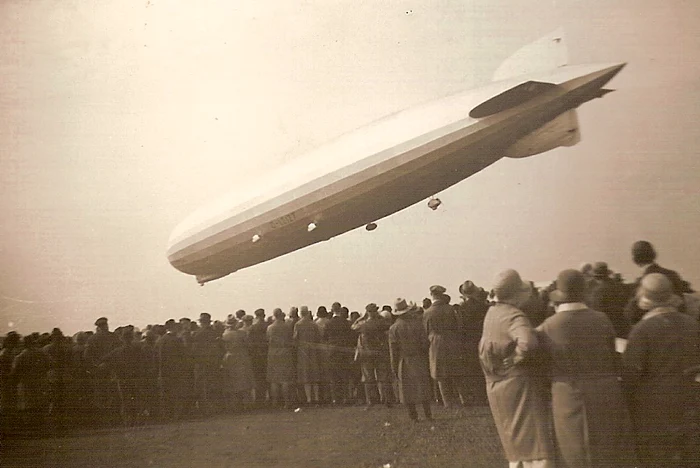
118	118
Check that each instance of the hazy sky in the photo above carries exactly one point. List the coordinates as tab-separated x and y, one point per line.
118	118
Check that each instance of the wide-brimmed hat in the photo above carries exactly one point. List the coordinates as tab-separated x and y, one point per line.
656	290
571	287
508	286
468	289
400	306
437	290
600	270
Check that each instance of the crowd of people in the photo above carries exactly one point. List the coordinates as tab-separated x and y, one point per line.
544	359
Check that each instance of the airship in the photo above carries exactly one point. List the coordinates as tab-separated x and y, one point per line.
393	163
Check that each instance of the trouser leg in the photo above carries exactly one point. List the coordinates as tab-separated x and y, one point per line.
426	410
444	392
412	413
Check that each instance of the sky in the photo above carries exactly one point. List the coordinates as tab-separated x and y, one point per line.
118	118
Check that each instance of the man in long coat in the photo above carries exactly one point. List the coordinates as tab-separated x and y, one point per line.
127	364
447	364
340	342
257	345
307	336
606	295
8	383
281	358
172	358
105	390
408	348
590	416
513	386
471	313
238	370
660	362
208	352
30	369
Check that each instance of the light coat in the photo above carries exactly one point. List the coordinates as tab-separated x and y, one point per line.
280	356
307	336
237	363
515	393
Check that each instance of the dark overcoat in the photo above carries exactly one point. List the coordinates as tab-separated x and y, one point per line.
408	347
590	416
661	349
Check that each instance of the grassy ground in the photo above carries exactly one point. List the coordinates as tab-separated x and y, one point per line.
309	437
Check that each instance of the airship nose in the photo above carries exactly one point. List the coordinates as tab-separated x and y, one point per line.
613	70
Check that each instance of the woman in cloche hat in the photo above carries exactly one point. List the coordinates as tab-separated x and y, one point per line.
515	395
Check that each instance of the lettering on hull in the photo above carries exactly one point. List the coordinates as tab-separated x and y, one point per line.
283	220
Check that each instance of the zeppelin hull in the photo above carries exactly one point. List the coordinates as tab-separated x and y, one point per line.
386	181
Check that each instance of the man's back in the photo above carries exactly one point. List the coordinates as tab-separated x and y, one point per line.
581	344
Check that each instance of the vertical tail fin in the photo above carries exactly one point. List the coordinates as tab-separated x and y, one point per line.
546	53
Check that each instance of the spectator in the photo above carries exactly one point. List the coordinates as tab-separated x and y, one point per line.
207	351
471	313
341	342
8	382
126	362
608	296
239	380
307	337
29	369
515	393
408	345
447	365
660	362
644	256
373	355
257	347
591	422
172	372
280	359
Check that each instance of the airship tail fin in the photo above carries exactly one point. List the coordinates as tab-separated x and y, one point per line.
544	54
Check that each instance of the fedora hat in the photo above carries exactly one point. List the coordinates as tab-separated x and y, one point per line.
371	307
571	287
400	306
600	270
508	286
656	290
468	289
437	290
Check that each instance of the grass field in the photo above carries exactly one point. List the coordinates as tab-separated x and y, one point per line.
308	437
